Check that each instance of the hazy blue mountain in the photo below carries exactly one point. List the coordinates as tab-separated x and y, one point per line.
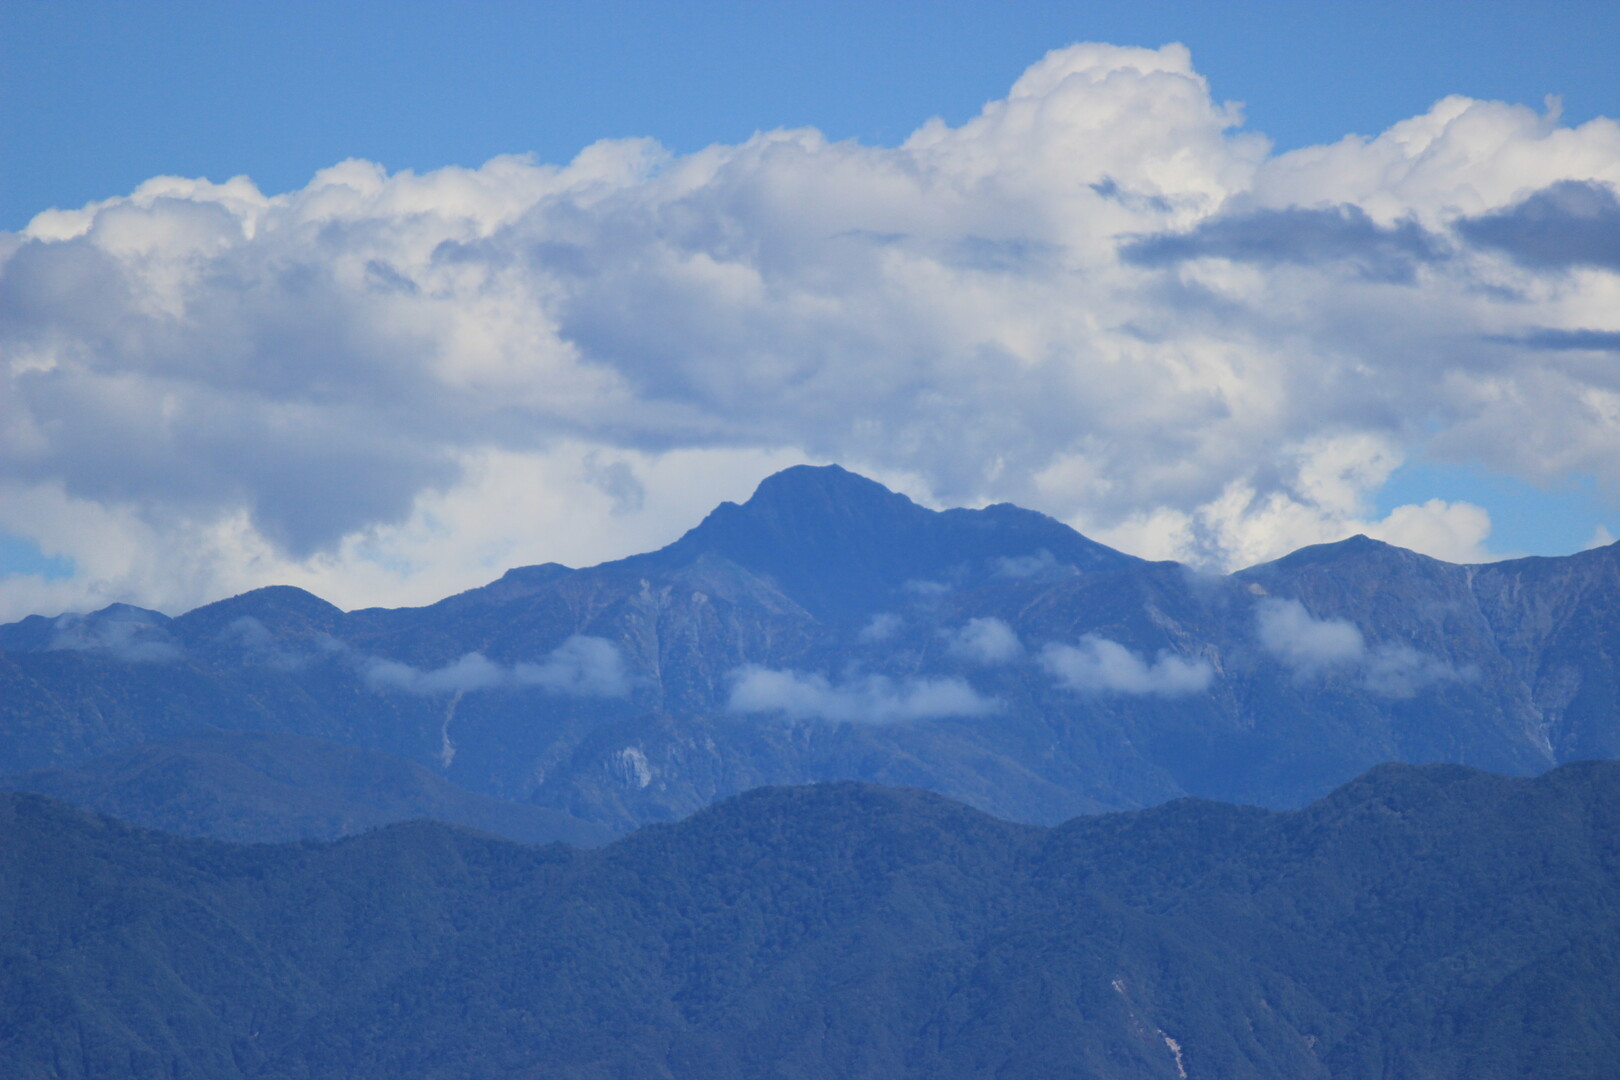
830	629
1421	921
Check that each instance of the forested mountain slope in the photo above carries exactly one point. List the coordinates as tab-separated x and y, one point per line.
1421	921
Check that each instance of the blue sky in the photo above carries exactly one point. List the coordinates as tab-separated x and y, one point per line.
1219	349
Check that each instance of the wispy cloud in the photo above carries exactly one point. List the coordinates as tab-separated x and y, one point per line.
1304	643
986	641
1100	666
579	667
1036	564
1313	648
865	699
879	628
127	635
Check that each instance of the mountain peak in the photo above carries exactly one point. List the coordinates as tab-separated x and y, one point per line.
829	483
843	545
283	607
1359	547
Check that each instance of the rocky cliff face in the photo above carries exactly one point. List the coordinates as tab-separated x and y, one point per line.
831	629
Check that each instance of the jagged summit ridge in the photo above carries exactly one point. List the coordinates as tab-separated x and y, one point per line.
843	545
828	628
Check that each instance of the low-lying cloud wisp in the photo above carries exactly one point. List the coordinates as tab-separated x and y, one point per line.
1312	648
582	666
865	699
1100	666
130	636
986	641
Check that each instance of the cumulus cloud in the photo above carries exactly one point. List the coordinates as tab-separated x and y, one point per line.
582	666
1101	298
1312	647
1321	492
867	699
986	641
1100	666
1305	643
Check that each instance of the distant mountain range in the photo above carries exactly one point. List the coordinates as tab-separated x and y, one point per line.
826	629
1423	921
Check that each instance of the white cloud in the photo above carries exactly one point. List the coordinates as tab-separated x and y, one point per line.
986	641
132	637
868	699
880	627
1400	671
1100	298
1025	566
582	666
1313	647
1100	666
1305	643
1322	492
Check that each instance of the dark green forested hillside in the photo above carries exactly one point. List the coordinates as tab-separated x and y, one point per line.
1419	922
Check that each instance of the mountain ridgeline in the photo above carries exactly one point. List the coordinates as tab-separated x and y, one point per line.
1422	921
826	629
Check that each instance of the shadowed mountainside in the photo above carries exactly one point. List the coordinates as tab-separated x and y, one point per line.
831	629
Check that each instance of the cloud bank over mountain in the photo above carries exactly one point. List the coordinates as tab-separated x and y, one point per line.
1101	298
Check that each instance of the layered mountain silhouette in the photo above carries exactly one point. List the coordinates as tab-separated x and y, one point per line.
1426	921
830	629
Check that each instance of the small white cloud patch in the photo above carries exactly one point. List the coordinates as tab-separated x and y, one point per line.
1312	647
1098	665
1024	566
869	699
1305	644
130	639
582	666
986	641
880	627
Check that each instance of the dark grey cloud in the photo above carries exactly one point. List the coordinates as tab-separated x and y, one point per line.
1555	340
1299	236
1568	224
